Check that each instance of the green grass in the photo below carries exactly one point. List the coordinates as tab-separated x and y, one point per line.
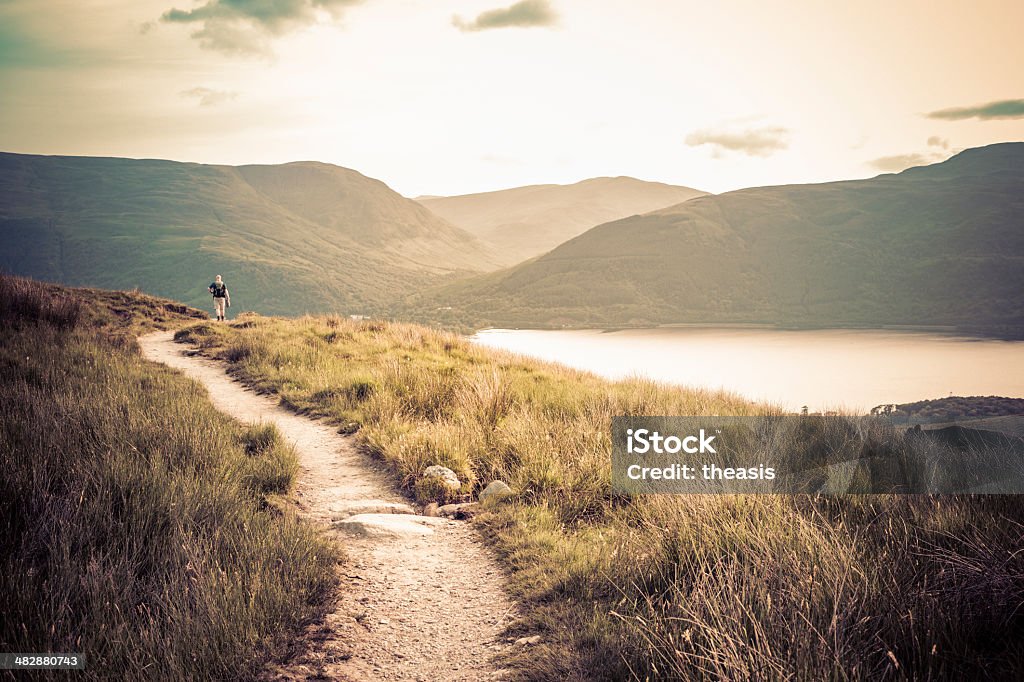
660	587
138	523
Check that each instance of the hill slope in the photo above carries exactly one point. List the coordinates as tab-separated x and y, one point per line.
524	222
288	239
934	245
136	510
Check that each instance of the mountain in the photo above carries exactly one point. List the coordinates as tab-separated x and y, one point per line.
524	222
933	245
287	238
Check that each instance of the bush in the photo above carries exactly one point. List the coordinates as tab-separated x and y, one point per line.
271	464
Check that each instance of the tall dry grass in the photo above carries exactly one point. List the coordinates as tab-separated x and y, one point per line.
24	301
661	587
134	517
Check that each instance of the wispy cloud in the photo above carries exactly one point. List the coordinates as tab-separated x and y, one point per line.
752	141
247	27
899	162
209	97
523	14
1006	108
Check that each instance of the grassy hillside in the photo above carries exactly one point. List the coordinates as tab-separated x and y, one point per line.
935	245
524	222
288	239
134	518
656	587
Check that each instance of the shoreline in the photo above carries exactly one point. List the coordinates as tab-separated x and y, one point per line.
845	370
954	331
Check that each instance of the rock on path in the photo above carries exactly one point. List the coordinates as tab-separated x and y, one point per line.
420	597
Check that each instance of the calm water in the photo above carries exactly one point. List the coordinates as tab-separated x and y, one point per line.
851	369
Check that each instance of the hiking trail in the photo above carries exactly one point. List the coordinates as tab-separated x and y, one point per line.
420	598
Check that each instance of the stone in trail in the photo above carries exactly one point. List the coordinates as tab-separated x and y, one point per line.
462	510
399	591
342	509
389	525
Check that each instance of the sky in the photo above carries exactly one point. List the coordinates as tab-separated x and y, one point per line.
447	97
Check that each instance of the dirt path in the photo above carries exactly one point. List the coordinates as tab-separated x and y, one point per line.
421	599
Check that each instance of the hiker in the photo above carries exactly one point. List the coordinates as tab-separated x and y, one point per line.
221	297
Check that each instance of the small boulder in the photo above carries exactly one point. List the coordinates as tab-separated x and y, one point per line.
528	641
437	484
431	509
464	510
495	490
444	474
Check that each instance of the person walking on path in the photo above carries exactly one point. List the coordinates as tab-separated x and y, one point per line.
221	298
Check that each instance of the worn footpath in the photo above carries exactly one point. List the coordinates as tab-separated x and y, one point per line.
420	598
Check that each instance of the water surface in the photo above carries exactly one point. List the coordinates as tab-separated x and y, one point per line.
822	369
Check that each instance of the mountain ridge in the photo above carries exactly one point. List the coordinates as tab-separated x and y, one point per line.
933	245
293	238
519	223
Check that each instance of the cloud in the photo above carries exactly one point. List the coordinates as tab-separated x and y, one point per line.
899	162
752	141
523	14
1007	108
208	97
248	26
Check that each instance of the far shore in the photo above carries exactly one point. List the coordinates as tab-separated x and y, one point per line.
987	333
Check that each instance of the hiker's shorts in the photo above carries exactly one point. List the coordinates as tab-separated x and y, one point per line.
218	305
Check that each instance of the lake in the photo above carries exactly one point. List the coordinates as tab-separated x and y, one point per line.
823	369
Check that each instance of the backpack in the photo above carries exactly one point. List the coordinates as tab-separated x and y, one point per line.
219	289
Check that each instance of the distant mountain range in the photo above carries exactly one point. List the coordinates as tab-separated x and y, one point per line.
288	238
933	245
524	222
